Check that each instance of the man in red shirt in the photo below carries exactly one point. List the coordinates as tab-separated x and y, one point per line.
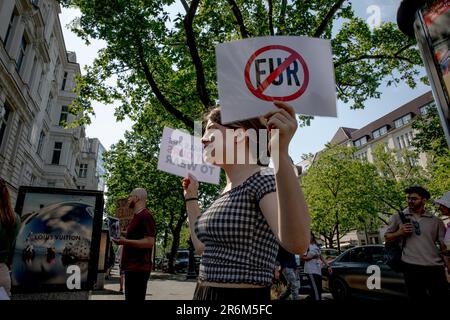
137	247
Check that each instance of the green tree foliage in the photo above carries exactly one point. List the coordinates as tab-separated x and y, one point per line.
398	169
169	64
430	139
339	190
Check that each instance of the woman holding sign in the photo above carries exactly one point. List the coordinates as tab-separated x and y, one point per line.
260	208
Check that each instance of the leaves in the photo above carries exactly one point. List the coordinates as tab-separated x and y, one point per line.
169	65
339	190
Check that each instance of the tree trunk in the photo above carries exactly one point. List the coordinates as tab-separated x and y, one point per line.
365	232
337	231
176	240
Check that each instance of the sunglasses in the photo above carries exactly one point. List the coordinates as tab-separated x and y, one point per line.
416	227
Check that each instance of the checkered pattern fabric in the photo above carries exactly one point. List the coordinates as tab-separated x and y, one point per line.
240	247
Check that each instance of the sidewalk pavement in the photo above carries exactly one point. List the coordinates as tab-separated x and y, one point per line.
161	286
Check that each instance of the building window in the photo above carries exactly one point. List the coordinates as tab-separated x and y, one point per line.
81	187
51	184
360	142
424	110
21	56
10	26
402	121
63	86
362	156
41	142
83	170
57	153
64	115
379	132
4	116
405	140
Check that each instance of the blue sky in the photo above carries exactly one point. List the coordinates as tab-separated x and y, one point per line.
308	139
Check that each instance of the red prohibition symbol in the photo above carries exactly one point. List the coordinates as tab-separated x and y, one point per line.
259	90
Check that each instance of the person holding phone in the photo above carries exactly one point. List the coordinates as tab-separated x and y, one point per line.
136	258
423	265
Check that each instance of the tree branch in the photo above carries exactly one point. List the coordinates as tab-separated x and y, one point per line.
388	204
272	32
161	98
407	46
238	15
384	221
380	56
282	16
328	18
185	5
201	82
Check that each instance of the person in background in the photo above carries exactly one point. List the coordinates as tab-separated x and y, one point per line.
312	268
286	261
121	272
444	206
423	265
137	247
9	228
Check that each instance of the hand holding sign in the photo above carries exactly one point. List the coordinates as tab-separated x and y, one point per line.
284	120
190	187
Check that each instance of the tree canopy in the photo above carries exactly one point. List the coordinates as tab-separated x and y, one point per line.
341	192
167	63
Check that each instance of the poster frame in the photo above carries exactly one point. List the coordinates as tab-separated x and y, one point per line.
95	237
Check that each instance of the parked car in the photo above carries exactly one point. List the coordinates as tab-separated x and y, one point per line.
181	263
329	254
347	275
182	260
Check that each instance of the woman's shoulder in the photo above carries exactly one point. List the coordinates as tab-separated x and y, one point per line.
261	183
263	175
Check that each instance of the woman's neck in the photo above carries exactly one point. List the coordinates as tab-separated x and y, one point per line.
237	174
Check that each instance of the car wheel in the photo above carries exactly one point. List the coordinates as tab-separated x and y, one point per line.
340	289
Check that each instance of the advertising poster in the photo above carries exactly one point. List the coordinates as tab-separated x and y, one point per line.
437	20
58	239
442	55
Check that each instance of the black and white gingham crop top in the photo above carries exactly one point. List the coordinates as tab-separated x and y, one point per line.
240	247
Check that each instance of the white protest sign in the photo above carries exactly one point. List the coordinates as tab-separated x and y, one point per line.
181	153
252	73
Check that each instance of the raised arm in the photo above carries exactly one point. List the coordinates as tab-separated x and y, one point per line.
286	210
190	186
